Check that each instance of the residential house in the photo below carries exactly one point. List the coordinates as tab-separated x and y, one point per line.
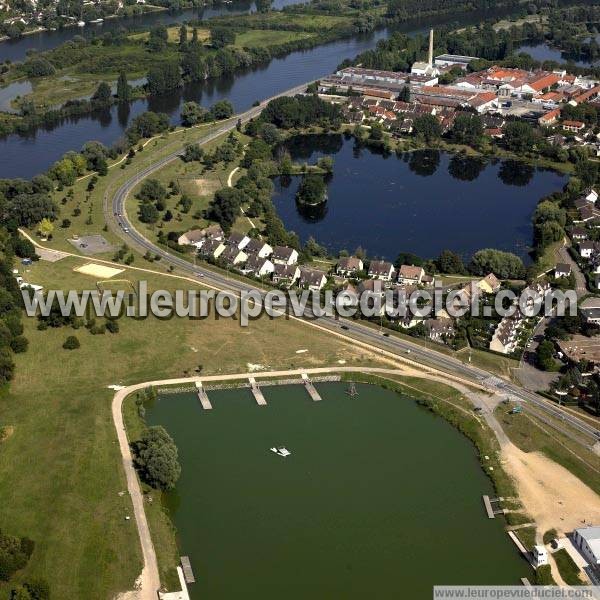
591	195
573	126
282	255
258	248
549	118
579	234
506	335
258	266
562	270
591	315
195	237
587	248
312	279
238	240
232	255
381	269
439	329
349	266
587	541
490	284
410	274
212	249
285	274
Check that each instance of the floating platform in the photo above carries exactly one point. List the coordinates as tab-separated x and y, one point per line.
525	582
488	507
186	566
257	392
310	388
206	405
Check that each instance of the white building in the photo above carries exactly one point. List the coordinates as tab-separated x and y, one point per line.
426	68
540	556
587	541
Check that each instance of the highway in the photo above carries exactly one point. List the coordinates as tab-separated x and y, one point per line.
117	219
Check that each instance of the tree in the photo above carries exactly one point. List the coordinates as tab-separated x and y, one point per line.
23	248
192	152
158	38
312	190
544	356
152	190
123	88
146	125
503	264
183	34
519	136
549	211
103	94
221	37
223	109
467	129
71	343
45	228
450	262
407	258
192	114
28	209
225	207
156	458
427	127
148	213
163	78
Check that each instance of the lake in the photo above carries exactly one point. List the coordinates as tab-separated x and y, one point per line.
380	498
544	52
422	202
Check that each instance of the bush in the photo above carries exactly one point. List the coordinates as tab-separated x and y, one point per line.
14	554
112	326
71	343
19	344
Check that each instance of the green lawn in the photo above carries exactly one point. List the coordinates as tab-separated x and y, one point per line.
269	37
569	571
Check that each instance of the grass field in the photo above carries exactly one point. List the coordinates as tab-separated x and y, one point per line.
62	462
569	571
269	37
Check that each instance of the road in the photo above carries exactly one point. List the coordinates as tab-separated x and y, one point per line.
117	219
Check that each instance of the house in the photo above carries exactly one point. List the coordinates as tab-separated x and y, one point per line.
212	249
590	195
539	555
213	232
579	234
549	118
238	240
454	60
282	255
573	126
410	274
192	238
587	541
380	269
439	329
258	266
591	315
587	248
506	336
285	274
349	266
258	248
312	279
232	255
490	284
586	213
562	270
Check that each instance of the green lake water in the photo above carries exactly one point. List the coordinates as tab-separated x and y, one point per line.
379	499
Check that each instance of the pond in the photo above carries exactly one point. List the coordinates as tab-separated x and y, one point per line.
544	52
378	494
422	202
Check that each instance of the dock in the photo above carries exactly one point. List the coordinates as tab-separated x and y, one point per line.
206	405
520	546
310	388
257	392
188	574
525	582
489	509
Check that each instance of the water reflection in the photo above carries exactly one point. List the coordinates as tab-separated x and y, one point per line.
513	172
466	168
424	162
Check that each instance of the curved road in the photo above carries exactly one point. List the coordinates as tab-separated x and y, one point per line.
116	217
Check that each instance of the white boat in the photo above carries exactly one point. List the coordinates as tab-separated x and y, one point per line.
284	452
97	21
275	450
80	23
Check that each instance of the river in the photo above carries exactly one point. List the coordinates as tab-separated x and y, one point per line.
427	201
28	156
379	498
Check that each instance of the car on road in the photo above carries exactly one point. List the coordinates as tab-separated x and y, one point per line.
126	229
344	327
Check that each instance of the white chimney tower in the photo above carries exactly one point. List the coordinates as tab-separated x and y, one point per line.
430	61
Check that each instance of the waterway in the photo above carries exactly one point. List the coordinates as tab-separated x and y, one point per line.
422	202
544	52
28	156
380	498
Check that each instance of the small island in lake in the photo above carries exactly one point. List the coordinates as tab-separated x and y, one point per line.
312	190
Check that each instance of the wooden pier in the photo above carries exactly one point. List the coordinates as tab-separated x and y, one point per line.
519	545
310	388
489	509
525	582
188	574
257	392
206	405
